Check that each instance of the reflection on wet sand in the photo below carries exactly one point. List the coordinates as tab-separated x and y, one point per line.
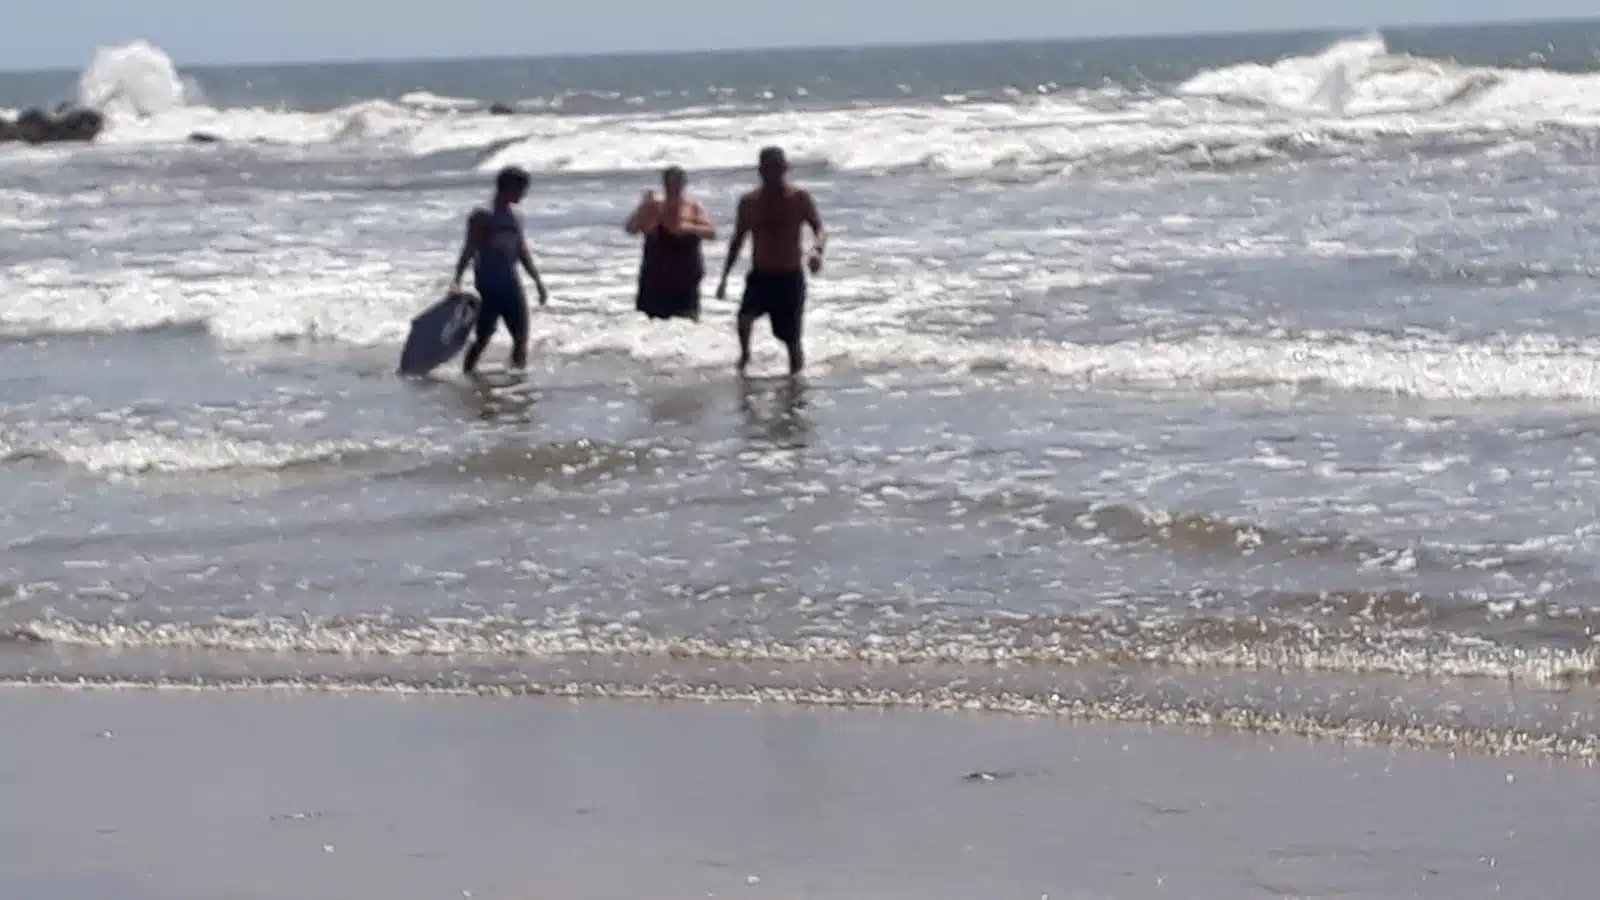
775	411
570	462
679	406
501	397
493	396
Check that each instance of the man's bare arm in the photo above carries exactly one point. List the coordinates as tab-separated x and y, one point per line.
819	235
741	228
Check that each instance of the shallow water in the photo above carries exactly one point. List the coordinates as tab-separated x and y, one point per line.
1264	396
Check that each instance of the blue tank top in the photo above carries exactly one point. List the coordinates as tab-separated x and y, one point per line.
496	261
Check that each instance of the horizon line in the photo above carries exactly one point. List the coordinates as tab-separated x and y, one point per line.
1156	36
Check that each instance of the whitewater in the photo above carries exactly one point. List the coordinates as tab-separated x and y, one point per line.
1253	388
1353	102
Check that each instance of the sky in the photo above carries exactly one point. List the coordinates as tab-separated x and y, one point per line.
38	34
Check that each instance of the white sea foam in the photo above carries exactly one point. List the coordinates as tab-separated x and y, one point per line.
431	101
288	294
156	454
869	321
1008	641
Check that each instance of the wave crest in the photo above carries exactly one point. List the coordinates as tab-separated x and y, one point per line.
1350	99
1350	78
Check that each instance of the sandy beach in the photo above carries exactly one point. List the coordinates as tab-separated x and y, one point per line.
177	795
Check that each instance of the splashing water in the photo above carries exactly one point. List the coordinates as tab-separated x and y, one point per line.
135	80
1351	77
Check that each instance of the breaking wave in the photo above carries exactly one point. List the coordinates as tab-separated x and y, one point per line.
1354	98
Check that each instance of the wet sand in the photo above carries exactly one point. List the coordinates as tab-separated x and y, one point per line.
178	795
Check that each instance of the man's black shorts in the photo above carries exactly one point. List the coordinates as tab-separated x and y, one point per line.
781	297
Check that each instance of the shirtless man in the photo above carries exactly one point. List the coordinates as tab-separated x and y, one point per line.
776	283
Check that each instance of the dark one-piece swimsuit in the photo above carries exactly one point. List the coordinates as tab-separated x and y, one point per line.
670	273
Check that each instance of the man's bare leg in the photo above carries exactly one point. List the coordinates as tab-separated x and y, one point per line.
517	324
746	323
797	357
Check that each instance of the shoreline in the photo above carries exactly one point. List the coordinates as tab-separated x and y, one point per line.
336	798
1329	726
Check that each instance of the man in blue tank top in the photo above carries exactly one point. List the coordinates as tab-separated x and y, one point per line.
495	246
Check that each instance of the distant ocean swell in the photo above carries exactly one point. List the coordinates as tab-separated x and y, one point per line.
1355	99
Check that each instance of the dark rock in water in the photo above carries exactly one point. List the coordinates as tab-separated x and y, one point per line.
65	124
501	109
203	137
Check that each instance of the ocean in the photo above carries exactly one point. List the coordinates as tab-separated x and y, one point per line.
1245	382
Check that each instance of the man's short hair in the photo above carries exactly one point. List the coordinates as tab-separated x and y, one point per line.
512	178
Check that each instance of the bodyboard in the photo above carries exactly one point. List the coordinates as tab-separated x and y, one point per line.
438	333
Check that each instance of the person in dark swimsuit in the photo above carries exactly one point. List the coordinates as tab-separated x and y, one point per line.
772	215
494	246
672	264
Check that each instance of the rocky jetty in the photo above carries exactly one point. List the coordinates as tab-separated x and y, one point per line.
75	124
